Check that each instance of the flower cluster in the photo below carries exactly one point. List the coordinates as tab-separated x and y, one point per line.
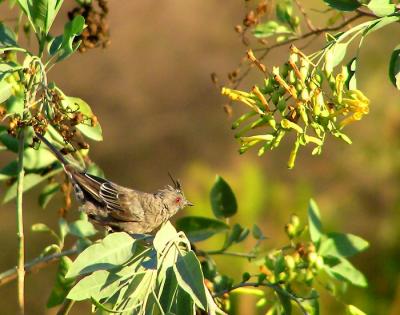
298	97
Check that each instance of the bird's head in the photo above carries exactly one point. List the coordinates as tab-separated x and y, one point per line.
173	196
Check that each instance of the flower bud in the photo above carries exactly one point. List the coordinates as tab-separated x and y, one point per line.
290	230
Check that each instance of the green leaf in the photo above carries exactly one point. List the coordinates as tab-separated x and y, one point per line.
97	285
38	158
200	228
257	233
9	171
40	227
379	23
314	222
7	37
48	193
190	278
169	290
394	67
82	228
237	234
64	44
351	81
166	233
94	169
285	302
5	91
223	201
381	7
338	53
338	244
343	5
15	104
62	285
184	303
342	269
352	310
41	13
270	28
284	11
30	181
77	104
114	250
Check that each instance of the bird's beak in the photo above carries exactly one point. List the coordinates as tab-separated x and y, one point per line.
188	203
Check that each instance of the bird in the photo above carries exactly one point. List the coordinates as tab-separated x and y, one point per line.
118	208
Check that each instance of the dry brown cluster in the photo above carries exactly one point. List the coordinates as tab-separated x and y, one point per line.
97	31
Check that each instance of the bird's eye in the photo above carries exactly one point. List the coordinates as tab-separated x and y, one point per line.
178	200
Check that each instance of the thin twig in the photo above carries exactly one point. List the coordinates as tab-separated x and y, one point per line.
235	254
315	32
20	223
66	307
35	265
309	23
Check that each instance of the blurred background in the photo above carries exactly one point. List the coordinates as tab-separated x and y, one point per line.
152	93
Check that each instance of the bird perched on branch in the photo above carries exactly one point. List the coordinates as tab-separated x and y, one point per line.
118	208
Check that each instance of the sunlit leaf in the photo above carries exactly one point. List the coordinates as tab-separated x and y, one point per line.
7	37
82	228
114	250
200	228
5	91
9	171
190	278
314	222
338	244
381	7
30	181
342	269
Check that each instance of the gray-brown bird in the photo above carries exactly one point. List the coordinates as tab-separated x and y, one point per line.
118	208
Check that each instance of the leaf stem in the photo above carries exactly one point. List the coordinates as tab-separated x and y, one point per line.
20	223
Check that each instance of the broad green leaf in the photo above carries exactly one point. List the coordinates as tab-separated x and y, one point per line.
48	193
114	250
5	91
379	23
381	7
190	278
166	233
30	181
94	169
9	171
38	158
169	290
184	303
200	228
270	28
394	67
97	285
352	310
62	285
77	104
82	228
314	222
15	104
7	37
41	13
140	287
338	53
343	5
223	200
284	11
342	269
338	244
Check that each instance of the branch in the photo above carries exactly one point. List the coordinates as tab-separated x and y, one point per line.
35	265
315	32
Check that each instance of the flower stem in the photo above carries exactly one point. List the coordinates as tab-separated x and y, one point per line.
20	223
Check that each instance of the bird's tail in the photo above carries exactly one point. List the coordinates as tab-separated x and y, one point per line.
53	149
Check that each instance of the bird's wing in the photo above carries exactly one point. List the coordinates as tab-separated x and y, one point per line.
117	199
